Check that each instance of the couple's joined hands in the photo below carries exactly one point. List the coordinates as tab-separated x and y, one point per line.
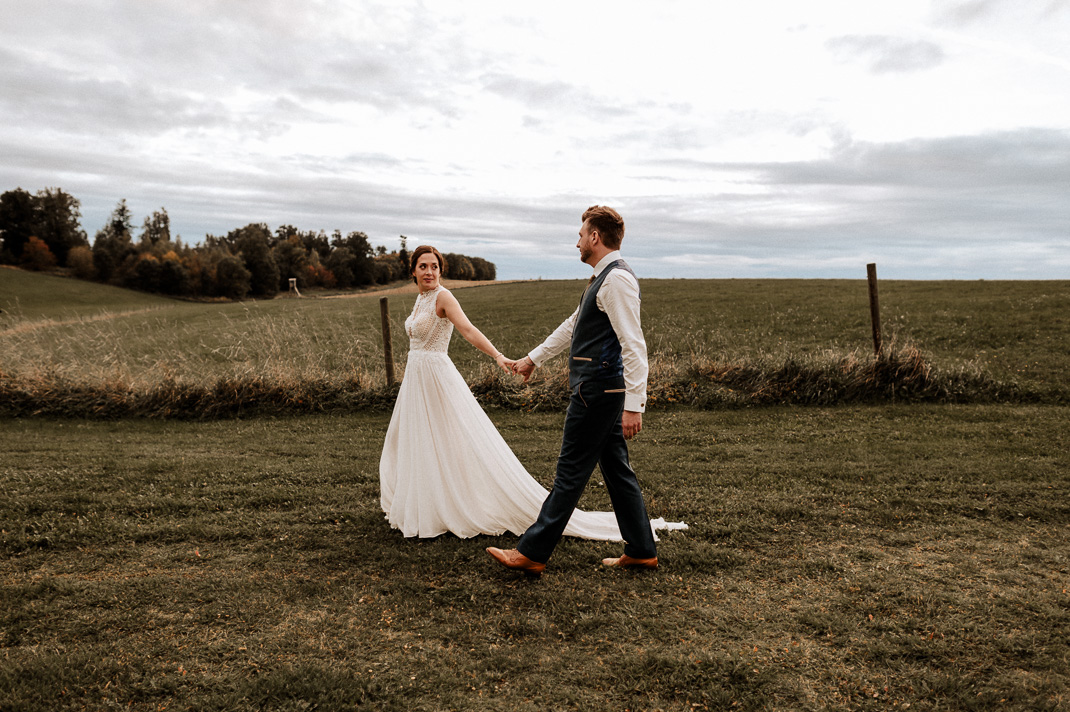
522	367
631	422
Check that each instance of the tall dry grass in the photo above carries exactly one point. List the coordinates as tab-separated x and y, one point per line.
712	345
268	363
138	364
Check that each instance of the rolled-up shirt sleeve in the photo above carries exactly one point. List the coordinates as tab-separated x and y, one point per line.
556	342
619	299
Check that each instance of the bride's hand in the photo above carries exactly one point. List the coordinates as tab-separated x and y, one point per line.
505	363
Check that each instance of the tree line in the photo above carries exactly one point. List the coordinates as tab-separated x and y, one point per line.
42	231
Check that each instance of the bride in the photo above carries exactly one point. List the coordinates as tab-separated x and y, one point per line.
445	467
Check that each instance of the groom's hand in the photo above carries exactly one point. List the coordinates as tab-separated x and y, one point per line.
632	423
524	367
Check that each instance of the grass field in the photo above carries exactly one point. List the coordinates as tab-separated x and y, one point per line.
892	557
716	342
864	557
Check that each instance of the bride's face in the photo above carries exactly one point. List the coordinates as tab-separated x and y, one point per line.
427	272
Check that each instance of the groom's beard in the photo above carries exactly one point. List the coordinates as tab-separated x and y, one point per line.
585	253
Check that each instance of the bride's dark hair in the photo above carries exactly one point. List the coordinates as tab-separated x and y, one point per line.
423	250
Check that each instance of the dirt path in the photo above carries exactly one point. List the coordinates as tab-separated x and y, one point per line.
27	326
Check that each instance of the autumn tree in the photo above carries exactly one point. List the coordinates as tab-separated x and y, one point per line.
80	262
339	263
174	277
142	272
388	267
58	222
484	270
36	255
52	215
460	267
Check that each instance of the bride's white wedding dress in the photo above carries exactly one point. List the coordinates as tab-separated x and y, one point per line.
445	467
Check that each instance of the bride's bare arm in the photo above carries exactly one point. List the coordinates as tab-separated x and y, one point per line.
448	307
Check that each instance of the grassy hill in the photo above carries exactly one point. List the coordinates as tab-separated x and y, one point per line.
32	295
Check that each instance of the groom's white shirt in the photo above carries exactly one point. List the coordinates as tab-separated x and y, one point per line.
618	297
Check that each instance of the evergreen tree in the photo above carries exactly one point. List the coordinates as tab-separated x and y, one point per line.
156	230
403	255
113	243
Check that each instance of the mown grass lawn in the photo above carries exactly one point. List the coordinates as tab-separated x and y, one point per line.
878	557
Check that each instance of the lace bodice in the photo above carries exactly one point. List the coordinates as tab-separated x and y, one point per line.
426	330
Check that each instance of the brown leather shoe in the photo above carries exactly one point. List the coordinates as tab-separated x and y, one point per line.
627	562
513	559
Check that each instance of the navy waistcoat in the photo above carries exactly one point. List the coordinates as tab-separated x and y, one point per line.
595	354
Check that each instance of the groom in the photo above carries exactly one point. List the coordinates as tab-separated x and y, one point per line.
607	376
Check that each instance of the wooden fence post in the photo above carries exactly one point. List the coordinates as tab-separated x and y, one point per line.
874	308
388	349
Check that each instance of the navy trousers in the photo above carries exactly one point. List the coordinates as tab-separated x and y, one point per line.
593	435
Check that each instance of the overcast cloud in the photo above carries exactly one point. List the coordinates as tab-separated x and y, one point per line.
764	139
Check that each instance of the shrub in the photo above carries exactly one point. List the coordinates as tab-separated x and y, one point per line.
174	277
143	273
232	280
339	264
80	260
317	275
37	256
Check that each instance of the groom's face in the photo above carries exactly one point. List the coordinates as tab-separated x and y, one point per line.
585	244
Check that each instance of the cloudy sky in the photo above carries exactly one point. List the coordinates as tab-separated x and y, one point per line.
768	138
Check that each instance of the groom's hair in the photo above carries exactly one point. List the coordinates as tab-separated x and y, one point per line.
608	223
423	250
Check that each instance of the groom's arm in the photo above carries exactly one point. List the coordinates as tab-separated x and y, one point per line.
555	343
